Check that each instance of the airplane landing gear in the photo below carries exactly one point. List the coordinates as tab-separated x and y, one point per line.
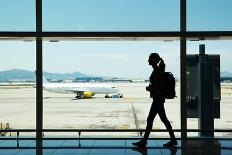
79	96
114	96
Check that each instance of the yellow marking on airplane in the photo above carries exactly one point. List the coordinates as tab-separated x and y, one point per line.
87	94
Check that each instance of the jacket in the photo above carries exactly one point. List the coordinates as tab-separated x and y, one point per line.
156	86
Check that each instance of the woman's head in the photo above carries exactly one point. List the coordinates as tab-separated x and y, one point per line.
156	61
154	58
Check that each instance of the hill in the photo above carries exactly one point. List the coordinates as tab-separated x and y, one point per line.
25	75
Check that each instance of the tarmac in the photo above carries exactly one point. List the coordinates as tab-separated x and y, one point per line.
63	111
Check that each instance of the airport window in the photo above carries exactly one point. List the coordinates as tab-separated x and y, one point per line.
103	40
209	15
17	15
96	64
17	82
218	52
110	15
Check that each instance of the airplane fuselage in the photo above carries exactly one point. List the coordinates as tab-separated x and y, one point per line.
95	88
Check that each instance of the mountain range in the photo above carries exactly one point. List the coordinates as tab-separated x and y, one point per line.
25	75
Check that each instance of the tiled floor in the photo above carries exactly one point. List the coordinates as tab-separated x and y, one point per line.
114	147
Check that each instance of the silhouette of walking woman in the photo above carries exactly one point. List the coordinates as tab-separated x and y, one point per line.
156	89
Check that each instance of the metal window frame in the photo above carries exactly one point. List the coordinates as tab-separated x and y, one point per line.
39	78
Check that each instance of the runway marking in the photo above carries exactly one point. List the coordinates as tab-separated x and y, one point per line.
47	97
124	126
136	119
156	128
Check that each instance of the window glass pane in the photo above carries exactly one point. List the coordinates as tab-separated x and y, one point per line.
123	64
209	15
17	85
111	15
222	107
17	15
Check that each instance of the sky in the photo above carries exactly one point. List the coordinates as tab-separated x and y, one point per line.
111	58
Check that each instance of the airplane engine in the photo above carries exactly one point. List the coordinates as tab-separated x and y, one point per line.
87	94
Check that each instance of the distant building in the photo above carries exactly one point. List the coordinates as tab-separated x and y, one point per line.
88	79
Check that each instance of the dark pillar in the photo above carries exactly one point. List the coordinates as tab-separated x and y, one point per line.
39	77
183	106
206	103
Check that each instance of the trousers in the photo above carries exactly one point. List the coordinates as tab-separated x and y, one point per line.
157	107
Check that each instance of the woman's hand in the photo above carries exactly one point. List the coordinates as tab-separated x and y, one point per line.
148	88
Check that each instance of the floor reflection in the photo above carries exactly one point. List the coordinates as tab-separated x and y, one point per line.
99	147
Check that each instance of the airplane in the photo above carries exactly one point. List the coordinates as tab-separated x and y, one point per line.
82	90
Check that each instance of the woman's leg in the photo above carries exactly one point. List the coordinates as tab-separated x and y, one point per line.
151	116
150	119
166	122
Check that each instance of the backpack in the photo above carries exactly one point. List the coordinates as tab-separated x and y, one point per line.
169	86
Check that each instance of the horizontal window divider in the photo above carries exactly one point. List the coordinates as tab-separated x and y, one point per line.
175	35
113	130
111	138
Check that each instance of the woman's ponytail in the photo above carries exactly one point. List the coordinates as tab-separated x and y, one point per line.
162	65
